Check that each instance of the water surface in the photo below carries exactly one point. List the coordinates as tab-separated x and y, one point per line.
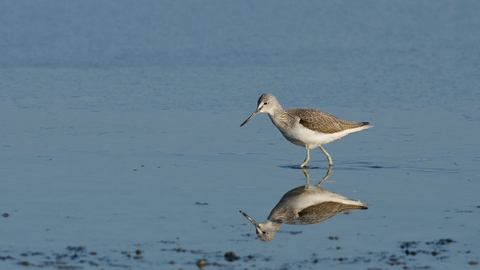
121	145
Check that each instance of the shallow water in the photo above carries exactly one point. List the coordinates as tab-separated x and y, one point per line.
121	145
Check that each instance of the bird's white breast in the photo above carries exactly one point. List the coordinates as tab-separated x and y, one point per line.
312	196
297	134
302	136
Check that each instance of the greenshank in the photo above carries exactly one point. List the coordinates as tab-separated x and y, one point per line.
305	126
303	205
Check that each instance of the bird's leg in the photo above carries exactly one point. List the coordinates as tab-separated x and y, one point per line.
329	171
307	158
327	154
307	177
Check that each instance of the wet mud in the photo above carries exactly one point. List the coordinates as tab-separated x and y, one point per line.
406	255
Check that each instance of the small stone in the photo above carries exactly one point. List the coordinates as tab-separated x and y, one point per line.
138	251
201	263
6	214
473	262
230	256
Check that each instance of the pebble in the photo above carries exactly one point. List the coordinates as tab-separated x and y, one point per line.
230	256
201	263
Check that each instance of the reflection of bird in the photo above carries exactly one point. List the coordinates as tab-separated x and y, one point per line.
306	127
304	205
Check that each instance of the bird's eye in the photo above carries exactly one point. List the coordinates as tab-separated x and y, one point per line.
265	103
264	232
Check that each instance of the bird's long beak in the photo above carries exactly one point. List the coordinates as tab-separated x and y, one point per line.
250	219
251	116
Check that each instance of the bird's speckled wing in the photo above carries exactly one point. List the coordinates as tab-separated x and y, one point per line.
321	121
321	212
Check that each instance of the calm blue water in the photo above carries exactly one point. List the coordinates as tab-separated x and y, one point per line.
120	132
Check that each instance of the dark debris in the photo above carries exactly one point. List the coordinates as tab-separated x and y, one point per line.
410	255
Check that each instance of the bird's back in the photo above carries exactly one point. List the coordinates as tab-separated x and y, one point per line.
321	121
321	212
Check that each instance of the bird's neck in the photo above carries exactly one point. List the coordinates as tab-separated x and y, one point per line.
277	110
279	117
273	225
